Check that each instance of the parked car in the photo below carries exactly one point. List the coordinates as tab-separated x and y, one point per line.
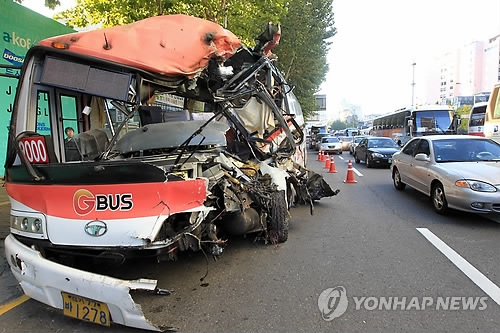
331	144
346	142
376	151
355	141
457	171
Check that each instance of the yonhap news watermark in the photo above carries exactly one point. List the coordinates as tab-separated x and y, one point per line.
333	303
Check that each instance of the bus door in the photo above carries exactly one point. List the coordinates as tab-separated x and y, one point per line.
55	112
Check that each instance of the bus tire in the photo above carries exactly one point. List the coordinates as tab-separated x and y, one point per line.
279	219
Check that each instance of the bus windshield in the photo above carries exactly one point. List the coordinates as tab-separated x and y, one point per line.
437	121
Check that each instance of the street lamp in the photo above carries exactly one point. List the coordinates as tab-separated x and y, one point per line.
413	86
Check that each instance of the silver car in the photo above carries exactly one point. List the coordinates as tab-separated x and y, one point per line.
330	144
355	141
457	171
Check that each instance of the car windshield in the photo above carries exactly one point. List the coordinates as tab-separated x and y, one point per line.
330	140
357	139
466	150
382	143
347	139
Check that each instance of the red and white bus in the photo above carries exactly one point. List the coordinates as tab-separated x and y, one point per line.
178	146
476	119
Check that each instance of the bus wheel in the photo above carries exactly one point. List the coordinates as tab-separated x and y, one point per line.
278	220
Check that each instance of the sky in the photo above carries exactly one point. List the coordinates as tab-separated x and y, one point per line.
377	42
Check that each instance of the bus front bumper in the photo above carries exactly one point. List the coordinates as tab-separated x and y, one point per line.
44	281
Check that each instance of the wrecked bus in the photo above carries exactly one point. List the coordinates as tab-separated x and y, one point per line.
164	135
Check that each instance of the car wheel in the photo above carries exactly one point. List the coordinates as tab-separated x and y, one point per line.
369	163
439	199
356	159
396	177
278	222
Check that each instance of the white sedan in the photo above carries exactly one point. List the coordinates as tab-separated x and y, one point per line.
331	144
457	171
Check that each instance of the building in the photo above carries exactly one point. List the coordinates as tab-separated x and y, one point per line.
321	115
459	75
491	63
467	71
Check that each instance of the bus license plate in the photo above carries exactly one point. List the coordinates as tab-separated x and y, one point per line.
85	309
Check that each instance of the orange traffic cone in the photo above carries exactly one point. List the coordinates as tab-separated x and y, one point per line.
327	161
332	169
321	156
350	174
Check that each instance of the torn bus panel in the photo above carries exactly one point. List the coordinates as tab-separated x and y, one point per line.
184	137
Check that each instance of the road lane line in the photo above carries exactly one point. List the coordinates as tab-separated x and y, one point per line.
9	306
476	276
357	172
4	203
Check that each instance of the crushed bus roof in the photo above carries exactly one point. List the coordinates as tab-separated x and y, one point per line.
170	44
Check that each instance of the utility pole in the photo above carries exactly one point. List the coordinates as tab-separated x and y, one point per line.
413	86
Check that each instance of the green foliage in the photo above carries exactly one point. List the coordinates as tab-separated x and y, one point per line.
338	125
464	123
246	19
51	4
306	32
107	13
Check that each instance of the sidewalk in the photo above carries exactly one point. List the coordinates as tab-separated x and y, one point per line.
9	287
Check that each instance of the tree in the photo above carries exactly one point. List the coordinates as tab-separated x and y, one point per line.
338	125
464	123
52	4
306	29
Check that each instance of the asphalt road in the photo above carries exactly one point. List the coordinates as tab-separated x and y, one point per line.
371	241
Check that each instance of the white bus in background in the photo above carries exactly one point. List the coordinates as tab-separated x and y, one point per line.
476	119
492	116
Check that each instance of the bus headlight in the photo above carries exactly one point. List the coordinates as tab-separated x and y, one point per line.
36	226
24	224
28	224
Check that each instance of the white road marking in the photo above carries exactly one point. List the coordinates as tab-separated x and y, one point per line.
476	276
357	172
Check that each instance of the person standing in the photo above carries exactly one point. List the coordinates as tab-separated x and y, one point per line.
71	145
